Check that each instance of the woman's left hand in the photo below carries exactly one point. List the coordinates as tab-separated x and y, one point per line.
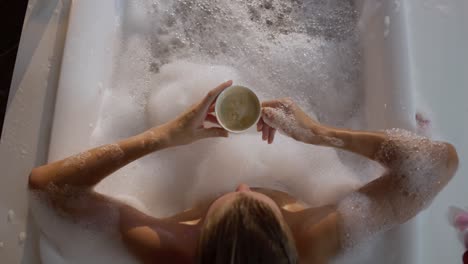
188	127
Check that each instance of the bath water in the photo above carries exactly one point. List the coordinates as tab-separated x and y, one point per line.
170	54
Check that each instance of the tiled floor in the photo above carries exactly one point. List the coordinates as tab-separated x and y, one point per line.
12	14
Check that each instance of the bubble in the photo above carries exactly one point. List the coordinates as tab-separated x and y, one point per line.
387	26
418	159
11	216
23	152
387	21
359	221
21	237
397	4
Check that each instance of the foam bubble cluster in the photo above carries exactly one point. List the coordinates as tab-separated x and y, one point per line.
417	160
309	46
360	219
287	123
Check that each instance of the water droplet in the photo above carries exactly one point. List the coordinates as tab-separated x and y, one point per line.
11	216
2	245
23	152
397	5
387	21
21	237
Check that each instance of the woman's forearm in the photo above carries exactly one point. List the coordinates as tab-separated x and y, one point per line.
400	151
88	168
364	143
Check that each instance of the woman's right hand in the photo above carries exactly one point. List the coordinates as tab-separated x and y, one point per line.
284	115
189	126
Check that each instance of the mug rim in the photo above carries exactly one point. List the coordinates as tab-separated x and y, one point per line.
218	102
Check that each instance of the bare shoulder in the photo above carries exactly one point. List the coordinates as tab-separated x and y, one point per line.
154	240
316	234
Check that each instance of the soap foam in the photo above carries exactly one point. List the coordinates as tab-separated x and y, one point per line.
360	220
418	160
286	123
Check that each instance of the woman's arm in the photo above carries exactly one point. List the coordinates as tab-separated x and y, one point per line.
88	168
417	169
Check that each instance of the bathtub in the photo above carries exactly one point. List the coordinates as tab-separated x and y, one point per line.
410	50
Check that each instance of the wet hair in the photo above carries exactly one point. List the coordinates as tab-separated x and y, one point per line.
247	232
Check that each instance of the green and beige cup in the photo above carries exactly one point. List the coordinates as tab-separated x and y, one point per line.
237	109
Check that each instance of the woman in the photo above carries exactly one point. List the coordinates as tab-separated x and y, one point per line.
255	225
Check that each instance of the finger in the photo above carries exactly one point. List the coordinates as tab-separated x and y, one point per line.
260	125
271	137
268	116
212	95
213	132
265	132
271	103
212	119
212	108
277	102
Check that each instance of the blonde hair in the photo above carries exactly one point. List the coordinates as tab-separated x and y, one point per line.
247	232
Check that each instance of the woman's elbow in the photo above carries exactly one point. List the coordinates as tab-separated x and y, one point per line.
35	180
452	159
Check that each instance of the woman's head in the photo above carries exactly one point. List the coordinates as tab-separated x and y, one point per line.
245	227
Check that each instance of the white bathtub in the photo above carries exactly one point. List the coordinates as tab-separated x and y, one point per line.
399	64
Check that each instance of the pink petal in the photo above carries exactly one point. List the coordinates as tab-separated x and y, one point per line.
461	221
466	240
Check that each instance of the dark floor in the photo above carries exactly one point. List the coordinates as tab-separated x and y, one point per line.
12	14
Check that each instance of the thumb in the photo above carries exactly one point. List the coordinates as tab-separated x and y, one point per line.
213	132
